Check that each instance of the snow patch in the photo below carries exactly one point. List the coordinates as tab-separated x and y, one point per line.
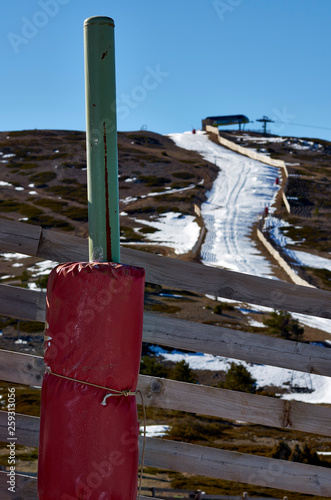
175	230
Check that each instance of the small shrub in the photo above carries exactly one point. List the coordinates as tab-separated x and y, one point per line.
79	193
183	372
282	451
149	366
147	230
191	429
42	178
130	235
9	206
164	308
50	222
29	210
41	281
218	309
238	378
31	326
183	175
153	180
54	205
77	213
25	166
282	324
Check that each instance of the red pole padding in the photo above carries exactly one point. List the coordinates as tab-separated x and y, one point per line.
93	334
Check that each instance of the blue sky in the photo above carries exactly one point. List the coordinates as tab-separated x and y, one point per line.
253	57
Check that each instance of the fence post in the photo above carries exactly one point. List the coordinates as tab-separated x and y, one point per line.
101	140
245	495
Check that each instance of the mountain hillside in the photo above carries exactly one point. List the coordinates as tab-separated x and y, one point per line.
170	197
162	189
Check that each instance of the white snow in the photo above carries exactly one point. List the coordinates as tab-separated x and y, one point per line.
174	230
168	191
302	258
154	430
41	268
239	195
4	183
257	138
242	190
10	256
310	260
318	388
129	199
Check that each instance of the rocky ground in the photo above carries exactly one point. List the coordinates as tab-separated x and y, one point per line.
43	182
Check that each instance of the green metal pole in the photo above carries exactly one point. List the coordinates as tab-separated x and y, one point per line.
101	140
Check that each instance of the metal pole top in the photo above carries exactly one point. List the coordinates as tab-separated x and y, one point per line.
99	20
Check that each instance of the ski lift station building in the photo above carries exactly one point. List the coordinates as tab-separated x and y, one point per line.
217	121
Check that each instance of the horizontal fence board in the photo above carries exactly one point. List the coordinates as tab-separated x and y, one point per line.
187	335
238	467
26	488
234	405
176	273
234	466
21	303
19	237
20	368
26	429
245	346
211	401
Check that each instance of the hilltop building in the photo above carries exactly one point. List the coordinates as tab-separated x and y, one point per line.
217	121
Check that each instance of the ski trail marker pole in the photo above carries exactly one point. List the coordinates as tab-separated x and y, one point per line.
101	140
88	447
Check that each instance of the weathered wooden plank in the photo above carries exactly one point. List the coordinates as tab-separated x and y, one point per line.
245	346
234	466
233	405
19	237
26	488
238	467
38	242
21	368
211	401
21	303
182	334
232	285
26	429
62	247
183	275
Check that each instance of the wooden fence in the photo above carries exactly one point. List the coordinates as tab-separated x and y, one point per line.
254	155
198	495
169	394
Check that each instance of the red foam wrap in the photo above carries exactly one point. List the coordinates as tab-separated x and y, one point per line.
89	450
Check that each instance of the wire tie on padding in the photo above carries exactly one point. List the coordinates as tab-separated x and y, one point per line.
114	392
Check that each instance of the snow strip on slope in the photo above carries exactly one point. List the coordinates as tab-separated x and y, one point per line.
240	193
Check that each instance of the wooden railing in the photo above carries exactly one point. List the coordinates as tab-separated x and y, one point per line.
177	456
